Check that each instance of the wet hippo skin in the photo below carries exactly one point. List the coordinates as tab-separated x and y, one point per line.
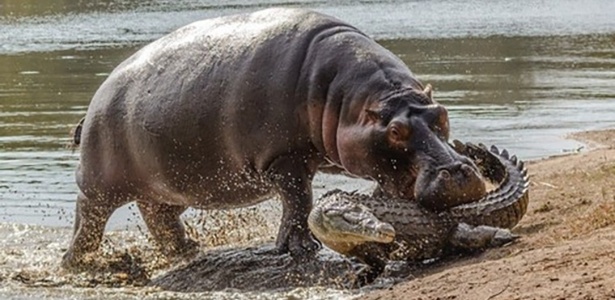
227	112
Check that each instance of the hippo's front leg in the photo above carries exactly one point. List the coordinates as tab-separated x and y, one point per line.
293	178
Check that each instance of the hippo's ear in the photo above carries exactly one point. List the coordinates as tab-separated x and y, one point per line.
398	134
428	90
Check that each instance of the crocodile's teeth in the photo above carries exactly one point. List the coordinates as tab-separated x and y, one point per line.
495	150
504	154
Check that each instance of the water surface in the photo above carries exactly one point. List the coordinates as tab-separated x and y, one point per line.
519	74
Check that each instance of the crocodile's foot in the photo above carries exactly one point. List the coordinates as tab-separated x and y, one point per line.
502	237
365	274
468	237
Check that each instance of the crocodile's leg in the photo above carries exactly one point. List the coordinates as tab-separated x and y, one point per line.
468	237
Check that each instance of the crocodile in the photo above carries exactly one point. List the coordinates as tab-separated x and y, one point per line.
376	229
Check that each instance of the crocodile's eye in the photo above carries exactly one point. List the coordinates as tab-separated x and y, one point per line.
369	222
356	209
333	212
353	215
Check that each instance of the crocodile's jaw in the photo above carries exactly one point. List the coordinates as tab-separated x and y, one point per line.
344	241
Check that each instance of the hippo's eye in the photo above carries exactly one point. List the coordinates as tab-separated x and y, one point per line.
398	133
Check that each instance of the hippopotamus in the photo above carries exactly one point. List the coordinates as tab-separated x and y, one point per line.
226	112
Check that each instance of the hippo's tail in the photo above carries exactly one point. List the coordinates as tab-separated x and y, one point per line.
76	134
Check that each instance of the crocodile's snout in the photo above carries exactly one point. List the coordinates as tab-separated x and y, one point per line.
374	230
385	233
358	223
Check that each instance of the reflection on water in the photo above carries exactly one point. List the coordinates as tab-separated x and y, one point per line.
504	83
49	25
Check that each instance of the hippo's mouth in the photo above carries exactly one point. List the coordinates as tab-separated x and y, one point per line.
441	186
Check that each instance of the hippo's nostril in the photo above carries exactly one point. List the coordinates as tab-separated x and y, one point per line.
467	170
445	174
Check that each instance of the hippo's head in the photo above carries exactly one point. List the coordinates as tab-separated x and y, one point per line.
401	142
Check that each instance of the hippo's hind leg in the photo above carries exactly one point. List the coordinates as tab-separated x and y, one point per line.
90	219
292	177
164	224
468	237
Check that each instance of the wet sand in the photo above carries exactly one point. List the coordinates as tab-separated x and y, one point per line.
567	248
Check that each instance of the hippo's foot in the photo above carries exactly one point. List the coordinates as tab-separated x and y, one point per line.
299	248
80	263
72	263
300	245
188	251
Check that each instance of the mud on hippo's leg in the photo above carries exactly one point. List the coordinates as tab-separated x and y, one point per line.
164	224
90	219
293	179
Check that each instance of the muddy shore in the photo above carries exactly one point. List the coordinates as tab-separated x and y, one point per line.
567	249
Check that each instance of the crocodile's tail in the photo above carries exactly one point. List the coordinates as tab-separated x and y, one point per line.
506	205
76	134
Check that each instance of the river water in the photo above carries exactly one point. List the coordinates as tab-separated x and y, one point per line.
519	74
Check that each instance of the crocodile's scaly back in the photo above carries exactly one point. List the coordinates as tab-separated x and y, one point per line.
506	205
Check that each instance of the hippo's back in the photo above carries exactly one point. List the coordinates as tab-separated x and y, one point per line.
230	37
212	97
209	68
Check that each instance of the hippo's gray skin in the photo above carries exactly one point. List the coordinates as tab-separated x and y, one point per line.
224	112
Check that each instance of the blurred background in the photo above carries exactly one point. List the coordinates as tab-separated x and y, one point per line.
519	74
